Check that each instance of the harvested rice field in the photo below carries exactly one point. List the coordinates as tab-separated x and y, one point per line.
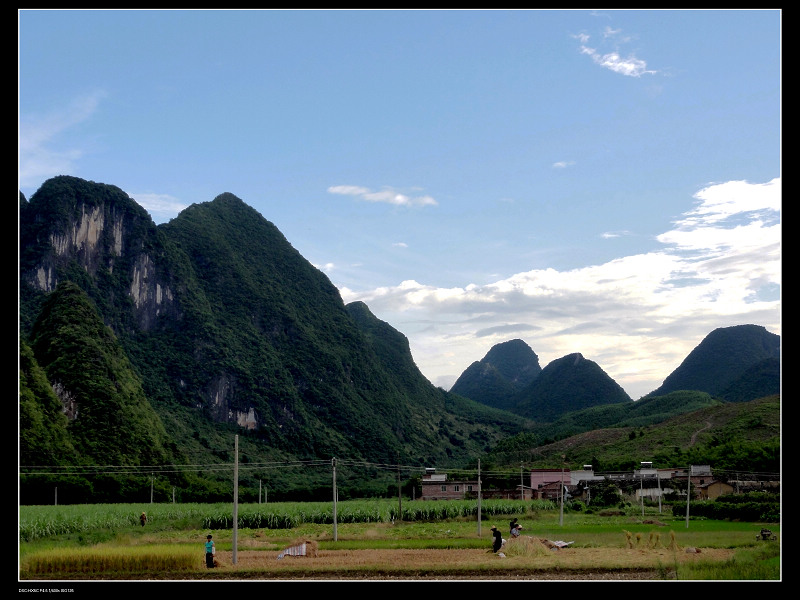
567	563
519	560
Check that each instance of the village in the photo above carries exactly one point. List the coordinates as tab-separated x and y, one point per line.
645	483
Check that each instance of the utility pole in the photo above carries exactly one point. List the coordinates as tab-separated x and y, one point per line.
235	496
152	481
521	483
399	494
561	512
479	497
658	480
335	494
641	488
688	493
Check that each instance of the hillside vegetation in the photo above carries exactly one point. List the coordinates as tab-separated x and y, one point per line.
152	358
742	437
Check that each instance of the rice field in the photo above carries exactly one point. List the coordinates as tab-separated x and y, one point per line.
370	540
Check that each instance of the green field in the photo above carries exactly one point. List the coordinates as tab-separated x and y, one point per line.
107	542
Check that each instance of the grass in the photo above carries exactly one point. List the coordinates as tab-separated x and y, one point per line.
761	563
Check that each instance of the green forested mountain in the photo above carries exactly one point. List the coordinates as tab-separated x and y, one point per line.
152	347
227	330
494	380
743	436
110	417
42	422
722	358
567	384
761	379
733	364
642	413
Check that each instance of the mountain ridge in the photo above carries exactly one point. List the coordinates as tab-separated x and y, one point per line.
227	324
229	330
737	363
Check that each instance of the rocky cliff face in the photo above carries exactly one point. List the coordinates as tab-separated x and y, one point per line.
96	234
114	240
80	242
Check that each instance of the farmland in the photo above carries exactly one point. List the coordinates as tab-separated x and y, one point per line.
369	541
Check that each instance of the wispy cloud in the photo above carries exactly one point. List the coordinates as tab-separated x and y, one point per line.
636	316
563	164
608	235
42	154
326	268
386	196
161	207
629	65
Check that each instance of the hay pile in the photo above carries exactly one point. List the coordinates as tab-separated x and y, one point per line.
300	547
526	545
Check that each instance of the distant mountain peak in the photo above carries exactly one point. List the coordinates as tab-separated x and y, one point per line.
721	358
567	384
506	369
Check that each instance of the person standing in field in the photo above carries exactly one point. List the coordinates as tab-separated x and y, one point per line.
210	552
498	539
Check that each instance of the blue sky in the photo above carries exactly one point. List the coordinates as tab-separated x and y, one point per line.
602	182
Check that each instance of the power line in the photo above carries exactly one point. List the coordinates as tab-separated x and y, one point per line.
77	470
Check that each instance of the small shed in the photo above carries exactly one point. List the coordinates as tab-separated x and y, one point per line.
713	489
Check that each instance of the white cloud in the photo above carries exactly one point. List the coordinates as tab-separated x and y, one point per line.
563	164
326	268
161	207
613	234
349	190
629	66
40	154
637	316
387	196
718	202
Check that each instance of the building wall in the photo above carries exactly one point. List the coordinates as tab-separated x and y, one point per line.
448	490
541	477
550	491
714	490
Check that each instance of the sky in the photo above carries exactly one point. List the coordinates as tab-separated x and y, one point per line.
602	182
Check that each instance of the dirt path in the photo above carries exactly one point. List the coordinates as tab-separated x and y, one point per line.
694	435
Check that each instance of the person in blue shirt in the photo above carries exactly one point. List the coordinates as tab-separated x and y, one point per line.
210	552
512	526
